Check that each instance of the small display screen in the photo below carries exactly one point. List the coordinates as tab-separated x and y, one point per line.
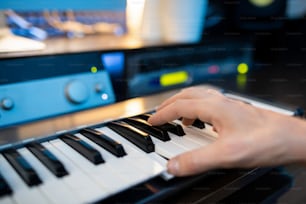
114	64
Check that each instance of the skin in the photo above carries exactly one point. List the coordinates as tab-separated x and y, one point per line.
248	136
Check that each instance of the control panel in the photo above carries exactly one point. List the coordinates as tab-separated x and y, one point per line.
33	88
160	69
25	101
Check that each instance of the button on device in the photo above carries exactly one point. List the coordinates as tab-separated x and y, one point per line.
7	103
99	87
77	92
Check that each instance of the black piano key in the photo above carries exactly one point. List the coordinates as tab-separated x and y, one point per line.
104	141
5	189
48	159
83	148
134	135
148	128
299	112
144	116
173	128
170	126
22	167
199	124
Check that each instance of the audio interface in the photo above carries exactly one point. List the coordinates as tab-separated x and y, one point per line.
38	87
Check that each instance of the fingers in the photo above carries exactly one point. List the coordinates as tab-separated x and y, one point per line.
190	106
190	93
223	153
186	108
196	161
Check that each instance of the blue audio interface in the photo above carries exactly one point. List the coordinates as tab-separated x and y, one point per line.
40	87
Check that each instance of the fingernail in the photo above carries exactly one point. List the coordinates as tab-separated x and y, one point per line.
150	120
173	166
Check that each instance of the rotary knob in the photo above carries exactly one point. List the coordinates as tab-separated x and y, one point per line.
76	92
7	103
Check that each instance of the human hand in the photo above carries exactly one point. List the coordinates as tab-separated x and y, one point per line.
248	136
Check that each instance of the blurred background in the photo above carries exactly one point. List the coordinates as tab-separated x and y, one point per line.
150	46
245	14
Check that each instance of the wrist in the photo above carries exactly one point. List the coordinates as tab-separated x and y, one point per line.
297	140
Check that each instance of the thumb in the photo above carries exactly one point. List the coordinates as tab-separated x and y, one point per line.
198	161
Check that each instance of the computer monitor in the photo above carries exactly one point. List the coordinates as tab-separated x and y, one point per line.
27	19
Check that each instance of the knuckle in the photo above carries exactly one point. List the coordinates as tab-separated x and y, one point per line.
190	90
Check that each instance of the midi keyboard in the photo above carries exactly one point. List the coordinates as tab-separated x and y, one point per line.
98	163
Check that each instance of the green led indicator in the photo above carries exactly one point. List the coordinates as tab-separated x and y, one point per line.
242	68
262	3
93	69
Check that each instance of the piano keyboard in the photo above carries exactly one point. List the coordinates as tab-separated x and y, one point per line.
93	163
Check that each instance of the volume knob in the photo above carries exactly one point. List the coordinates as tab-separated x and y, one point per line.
7	103
76	92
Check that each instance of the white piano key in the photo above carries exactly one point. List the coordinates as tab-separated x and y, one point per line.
167	149
209	131
162	161
93	171
135	157
184	142
130	162
198	136
7	200
21	192
158	167
106	171
133	151
54	188
77	180
115	180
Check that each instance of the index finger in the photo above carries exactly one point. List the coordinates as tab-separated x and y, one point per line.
204	109
190	93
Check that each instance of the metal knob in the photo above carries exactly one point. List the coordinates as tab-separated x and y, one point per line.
77	92
7	103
